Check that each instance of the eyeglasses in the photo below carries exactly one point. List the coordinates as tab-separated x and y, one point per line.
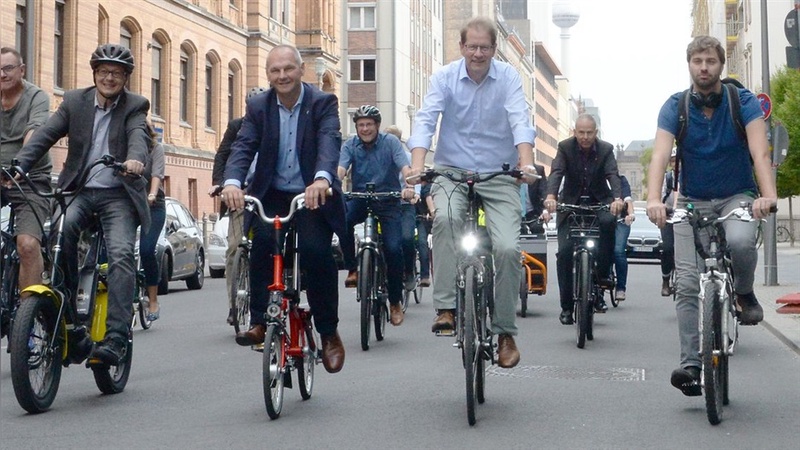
9	68
115	74
482	48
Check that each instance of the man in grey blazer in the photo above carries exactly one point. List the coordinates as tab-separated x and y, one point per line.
102	120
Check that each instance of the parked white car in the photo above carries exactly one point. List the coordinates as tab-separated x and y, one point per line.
217	246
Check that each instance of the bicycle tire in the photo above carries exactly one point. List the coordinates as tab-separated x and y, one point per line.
35	365
273	370
113	379
584	305
364	293
523	296
240	288
10	291
381	312
782	234
305	366
712	352
142	300
469	348
418	289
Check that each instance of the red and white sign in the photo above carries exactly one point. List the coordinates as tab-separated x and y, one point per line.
766	104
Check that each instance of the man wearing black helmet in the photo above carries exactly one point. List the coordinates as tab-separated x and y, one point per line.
104	119
376	157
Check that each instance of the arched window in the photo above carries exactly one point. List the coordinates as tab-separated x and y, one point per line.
187	93
102	26
211	91
235	94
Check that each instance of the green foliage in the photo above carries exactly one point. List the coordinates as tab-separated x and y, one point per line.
785	87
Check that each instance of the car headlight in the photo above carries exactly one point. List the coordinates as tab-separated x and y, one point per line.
217	240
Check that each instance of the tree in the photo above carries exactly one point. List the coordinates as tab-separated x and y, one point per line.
785	87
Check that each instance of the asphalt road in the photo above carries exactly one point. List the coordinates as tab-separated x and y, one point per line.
192	386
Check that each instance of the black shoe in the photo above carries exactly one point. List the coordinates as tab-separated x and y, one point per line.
111	351
600	306
751	313
566	317
606	283
687	380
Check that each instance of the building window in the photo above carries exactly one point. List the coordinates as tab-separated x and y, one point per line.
58	50
156	94
209	94
22	33
126	40
362	69
102	25
362	18
273	9
184	88
231	90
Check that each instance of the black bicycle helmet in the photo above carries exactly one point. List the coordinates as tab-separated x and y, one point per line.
253	92
368	111
112	53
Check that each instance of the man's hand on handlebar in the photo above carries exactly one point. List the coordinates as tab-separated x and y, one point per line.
657	213
413	177
133	167
233	197
763	206
316	193
616	206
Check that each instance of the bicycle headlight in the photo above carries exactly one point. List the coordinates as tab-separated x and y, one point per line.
273	310
590	243
469	242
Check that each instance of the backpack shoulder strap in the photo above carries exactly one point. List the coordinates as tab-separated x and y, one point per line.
683	116
735	107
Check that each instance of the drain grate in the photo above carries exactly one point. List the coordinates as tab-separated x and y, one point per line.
569	373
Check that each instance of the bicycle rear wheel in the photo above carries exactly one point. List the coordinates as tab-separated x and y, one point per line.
113	379
305	366
366	289
35	364
713	356
240	288
9	290
583	305
783	234
470	345
273	370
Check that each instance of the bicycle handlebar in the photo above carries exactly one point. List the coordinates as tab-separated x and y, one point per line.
566	207
743	213
106	160
373	195
254	205
470	177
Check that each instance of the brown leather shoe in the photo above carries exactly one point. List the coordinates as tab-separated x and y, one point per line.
396	314
352	279
445	320
332	353
507	353
253	336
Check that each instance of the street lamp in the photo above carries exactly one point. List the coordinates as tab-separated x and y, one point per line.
412	111
320	67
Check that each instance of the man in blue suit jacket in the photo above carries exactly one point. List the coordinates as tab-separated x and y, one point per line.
293	128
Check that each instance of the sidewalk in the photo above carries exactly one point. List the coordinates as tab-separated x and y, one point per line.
786	327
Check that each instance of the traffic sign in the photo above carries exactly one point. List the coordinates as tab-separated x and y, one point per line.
780	143
766	104
790	28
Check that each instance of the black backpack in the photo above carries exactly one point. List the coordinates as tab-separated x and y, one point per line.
734	107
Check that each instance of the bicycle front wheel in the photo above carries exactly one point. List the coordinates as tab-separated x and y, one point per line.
35	364
240	288
273	370
713	357
583	305
470	345
143	299
366	288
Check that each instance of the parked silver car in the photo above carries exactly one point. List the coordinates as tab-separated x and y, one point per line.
217	246
644	241
180	248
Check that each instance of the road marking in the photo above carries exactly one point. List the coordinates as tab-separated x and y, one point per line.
570	373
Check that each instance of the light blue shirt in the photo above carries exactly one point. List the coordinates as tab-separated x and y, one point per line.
379	163
287	172
101	176
481	124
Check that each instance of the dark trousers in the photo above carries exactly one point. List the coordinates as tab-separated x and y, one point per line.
603	256
148	241
667	250
316	262
117	215
389	216
409	224
423	229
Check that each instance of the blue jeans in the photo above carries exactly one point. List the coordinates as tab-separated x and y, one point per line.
148	241
409	224
620	257
389	216
117	215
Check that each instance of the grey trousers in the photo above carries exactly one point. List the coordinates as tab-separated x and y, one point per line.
235	224
741	238
501	203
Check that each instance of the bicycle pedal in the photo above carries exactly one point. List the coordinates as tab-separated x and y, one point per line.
257	348
445	333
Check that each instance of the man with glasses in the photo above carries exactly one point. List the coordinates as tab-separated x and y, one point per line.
25	108
104	119
485	123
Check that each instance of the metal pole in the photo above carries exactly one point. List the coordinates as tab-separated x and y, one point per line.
770	245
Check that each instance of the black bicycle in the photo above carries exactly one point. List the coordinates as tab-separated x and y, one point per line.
584	233
474	288
372	291
9	278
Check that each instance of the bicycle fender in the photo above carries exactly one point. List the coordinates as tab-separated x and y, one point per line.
41	289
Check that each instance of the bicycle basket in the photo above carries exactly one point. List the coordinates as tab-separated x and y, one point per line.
583	225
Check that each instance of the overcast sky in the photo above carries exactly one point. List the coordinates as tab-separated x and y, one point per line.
628	57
